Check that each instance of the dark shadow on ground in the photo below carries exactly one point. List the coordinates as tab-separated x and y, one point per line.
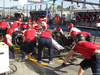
39	69
56	68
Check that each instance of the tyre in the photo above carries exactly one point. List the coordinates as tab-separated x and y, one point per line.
17	39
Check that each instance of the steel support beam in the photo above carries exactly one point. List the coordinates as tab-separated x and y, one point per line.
98	4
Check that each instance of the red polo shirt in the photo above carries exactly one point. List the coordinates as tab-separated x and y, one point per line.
87	17
16	24
3	24
82	17
30	34
77	17
85	48
37	27
46	33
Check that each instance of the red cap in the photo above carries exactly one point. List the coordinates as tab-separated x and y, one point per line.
20	19
70	25
23	25
29	26
73	33
39	20
29	20
33	22
58	28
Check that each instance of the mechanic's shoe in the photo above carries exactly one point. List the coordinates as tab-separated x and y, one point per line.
32	56
63	64
73	60
39	62
51	62
24	58
30	53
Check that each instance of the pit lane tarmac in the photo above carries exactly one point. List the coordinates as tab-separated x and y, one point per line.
31	67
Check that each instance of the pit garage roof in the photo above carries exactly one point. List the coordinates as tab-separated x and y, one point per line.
86	10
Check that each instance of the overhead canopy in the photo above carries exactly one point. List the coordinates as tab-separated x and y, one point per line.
14	0
79	1
44	1
35	1
86	10
51	2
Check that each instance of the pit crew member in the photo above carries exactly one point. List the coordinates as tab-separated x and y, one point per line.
29	41
43	24
72	28
87	35
8	40
89	51
3	27
45	41
58	29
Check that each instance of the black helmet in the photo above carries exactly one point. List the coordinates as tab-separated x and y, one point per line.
79	37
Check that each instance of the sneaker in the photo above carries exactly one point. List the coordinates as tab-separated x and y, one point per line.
24	58
30	53
73	60
39	62
63	64
51	62
32	56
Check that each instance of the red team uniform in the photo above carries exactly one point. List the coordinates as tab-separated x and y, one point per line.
3	27
16	24
29	43
29	34
45	41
